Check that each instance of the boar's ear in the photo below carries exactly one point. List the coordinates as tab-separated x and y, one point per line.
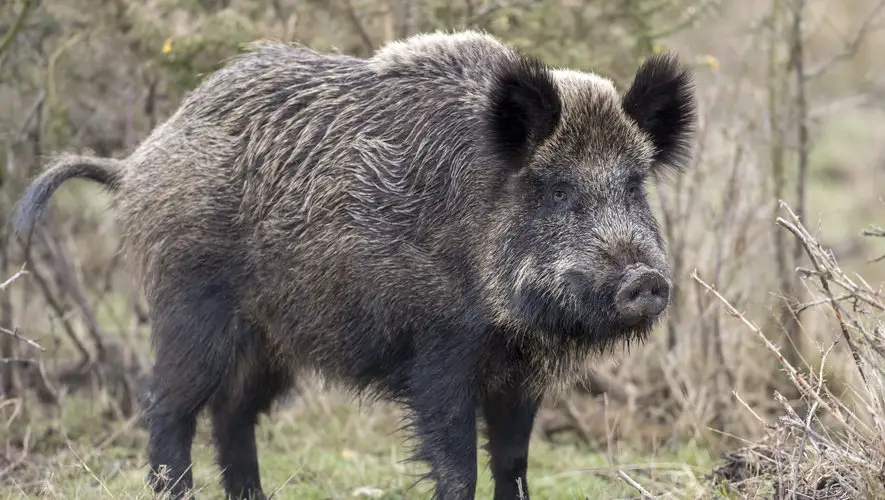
524	108
661	101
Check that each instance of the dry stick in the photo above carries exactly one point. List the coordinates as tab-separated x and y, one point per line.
869	297
751	410
815	303
21	272
14	334
59	310
579	425
629	480
866	284
794	227
74	289
797	57
876	232
13	31
806	434
780	106
22	361
31	114
483	14
851	47
794	374
877	259
365	38
871	343
12	379
26	445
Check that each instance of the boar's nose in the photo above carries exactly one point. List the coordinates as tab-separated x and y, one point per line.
642	294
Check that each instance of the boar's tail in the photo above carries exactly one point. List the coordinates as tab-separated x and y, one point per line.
105	171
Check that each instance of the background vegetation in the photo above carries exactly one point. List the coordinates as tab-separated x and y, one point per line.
766	379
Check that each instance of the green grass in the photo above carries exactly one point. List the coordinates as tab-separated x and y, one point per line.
324	447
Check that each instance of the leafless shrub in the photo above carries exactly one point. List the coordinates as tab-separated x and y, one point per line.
834	447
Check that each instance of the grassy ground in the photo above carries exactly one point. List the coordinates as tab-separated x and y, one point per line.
322	447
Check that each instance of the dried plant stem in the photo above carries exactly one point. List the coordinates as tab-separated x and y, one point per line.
21	272
13	30
632	482
813	250
16	335
794	374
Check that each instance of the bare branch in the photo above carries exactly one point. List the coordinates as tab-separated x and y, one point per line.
477	16
852	46
794	374
629	480
56	306
13	31
798	63
813	251
23	361
691	15
354	19
21	272
14	334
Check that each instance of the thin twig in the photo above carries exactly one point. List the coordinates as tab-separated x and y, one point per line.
793	373
354	19
14	334
629	480
22	361
798	230
851	47
56	306
815	303
14	277
801	101
13	30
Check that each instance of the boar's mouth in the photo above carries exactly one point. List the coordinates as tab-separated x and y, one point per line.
589	319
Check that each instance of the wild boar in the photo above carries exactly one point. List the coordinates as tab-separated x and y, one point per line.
449	223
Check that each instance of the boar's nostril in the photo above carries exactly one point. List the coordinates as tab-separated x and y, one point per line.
643	293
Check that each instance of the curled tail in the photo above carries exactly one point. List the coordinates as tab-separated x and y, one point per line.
105	171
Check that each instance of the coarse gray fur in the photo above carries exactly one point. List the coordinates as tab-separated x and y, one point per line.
349	214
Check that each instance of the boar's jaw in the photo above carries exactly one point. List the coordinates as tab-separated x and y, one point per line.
590	320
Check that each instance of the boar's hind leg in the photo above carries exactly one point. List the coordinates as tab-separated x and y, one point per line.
194	334
235	410
442	400
509	417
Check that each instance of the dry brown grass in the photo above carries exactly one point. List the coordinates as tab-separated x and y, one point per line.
833	446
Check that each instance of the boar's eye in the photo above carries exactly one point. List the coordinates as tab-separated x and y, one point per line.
560	197
634	188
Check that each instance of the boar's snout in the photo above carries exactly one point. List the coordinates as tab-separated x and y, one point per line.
642	294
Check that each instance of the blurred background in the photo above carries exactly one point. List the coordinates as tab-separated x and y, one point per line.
766	380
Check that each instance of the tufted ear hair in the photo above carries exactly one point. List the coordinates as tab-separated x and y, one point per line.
524	108
661	101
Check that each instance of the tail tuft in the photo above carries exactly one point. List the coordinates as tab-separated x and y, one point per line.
27	211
